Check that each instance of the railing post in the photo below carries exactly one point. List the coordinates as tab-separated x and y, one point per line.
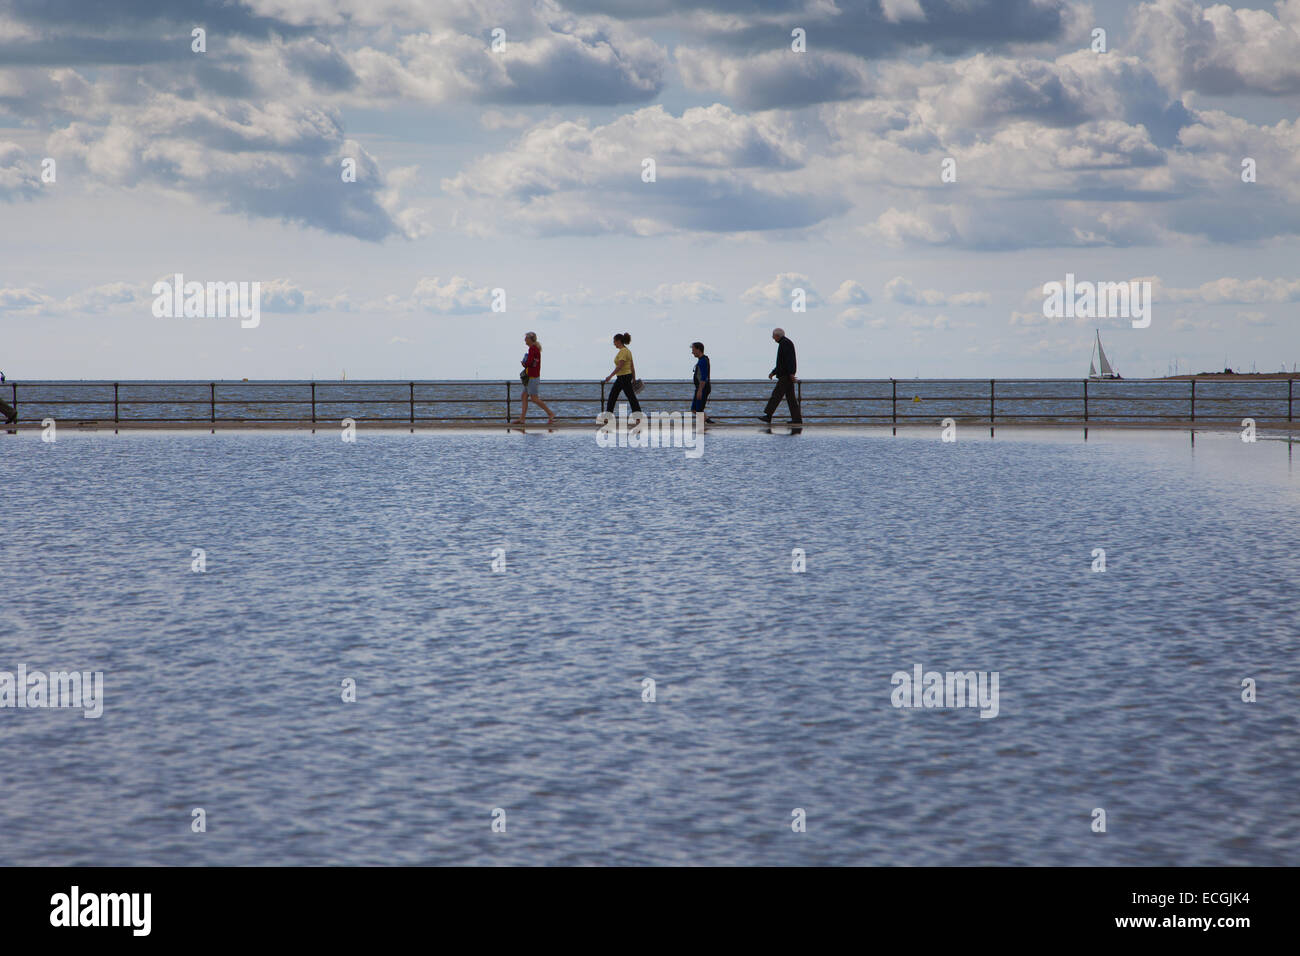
991	394
1085	399
212	401
412	403
1193	399
894	406
313	403
798	394
115	413
13	399
1289	383
507	402
602	397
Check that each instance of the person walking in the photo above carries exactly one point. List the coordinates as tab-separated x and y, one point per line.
785	380
703	380
532	374
7	410
625	372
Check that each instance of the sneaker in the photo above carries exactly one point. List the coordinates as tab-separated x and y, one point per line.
765	418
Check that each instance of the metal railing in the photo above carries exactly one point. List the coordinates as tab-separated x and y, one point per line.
846	401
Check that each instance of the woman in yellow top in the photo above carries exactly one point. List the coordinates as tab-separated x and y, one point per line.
625	371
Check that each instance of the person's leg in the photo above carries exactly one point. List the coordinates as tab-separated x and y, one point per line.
792	401
523	408
629	389
550	415
775	400
8	412
613	394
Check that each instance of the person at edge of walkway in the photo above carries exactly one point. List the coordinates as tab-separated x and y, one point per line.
532	363
7	410
785	380
624	372
703	380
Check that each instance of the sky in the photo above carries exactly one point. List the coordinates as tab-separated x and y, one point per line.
504	145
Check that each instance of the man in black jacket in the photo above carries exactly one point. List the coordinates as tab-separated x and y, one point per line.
784	375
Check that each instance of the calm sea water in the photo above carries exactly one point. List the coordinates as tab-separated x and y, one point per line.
522	690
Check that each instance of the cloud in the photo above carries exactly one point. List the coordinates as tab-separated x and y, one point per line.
495	119
678	293
899	289
850	293
779	292
17	180
567	60
715	171
253	125
1219	50
285	296
21	300
456	296
1232	291
875	28
277	162
777	79
854	318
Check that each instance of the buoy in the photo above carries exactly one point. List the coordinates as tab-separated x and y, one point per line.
916	398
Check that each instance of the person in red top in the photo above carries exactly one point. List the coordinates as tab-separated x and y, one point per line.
532	363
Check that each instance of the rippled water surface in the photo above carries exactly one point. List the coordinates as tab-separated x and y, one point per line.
523	690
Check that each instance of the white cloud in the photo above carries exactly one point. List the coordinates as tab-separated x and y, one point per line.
1220	50
456	296
899	289
779	292
850	293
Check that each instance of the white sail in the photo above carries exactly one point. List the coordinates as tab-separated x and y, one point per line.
1106	370
1092	369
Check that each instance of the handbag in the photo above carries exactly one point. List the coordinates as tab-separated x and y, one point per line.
637	386
523	376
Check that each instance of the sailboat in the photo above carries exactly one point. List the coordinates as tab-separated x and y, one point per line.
1106	370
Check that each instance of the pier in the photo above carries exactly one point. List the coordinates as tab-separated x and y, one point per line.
212	405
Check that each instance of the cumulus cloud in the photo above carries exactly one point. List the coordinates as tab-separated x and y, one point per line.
854	318
17	179
850	293
779	292
253	124
899	289
1232	291
778	79
715	171
677	293
286	296
873	28
1220	50
456	296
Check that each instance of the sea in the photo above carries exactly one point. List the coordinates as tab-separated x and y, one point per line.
490	648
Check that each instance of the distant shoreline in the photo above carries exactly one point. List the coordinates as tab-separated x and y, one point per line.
1225	376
